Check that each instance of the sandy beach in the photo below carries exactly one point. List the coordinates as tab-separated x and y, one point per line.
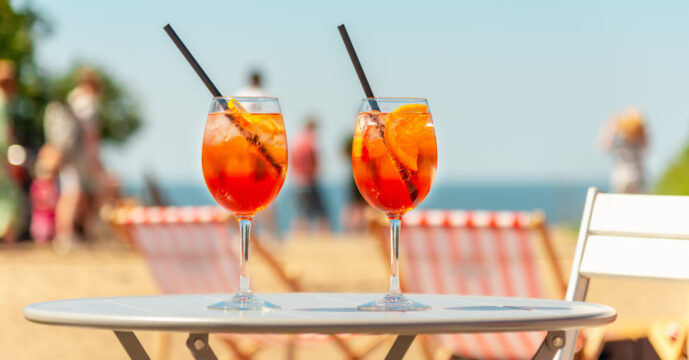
332	263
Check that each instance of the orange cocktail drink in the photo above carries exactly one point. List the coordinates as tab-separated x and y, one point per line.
394	158
243	177
244	160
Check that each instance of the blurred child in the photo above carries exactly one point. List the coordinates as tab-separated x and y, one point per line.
44	194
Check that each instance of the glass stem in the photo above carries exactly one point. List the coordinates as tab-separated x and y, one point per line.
394	287
245	232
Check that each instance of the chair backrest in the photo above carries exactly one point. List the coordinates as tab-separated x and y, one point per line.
188	249
637	236
478	253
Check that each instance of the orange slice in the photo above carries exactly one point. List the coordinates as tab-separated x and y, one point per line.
357	147
235	107
265	126
412	108
237	111
260	124
279	154
404	131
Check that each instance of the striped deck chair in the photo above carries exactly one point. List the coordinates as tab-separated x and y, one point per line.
190	250
477	253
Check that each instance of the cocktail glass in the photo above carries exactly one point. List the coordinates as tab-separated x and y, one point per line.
244	162
394	159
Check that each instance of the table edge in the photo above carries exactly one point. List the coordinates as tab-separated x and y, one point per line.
48	317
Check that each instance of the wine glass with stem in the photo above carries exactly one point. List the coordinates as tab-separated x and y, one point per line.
244	161
394	160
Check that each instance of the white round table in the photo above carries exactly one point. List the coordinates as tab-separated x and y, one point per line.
326	313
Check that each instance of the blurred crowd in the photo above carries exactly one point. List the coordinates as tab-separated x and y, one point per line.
52	193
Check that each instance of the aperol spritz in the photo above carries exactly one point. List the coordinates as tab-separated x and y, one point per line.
394	159
244	160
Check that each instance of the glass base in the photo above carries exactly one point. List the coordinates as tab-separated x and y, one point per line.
244	301
393	302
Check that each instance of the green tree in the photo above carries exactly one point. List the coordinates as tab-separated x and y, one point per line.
675	179
18	31
19	28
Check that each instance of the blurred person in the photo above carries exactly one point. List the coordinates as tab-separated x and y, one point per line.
62	132
75	130
10	197
44	194
353	216
305	172
624	136
84	101
255	86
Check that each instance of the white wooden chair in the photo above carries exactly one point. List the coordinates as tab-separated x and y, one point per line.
636	236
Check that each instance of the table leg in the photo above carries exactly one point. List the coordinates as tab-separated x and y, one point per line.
199	347
132	345
554	341
400	347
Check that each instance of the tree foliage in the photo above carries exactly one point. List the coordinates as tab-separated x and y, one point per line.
19	28
675	179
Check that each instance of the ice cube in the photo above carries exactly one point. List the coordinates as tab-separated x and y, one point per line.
232	131
219	129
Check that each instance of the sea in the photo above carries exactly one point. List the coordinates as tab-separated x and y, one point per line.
562	203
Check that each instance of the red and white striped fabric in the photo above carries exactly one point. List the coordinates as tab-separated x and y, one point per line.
190	250
464	218
189	257
477	253
128	215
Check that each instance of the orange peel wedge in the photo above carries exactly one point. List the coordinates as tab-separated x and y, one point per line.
235	107
261	125
404	131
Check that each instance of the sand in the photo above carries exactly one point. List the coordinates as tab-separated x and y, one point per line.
331	263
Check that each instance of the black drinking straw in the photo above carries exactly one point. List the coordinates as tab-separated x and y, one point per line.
404	173
357	67
195	65
248	134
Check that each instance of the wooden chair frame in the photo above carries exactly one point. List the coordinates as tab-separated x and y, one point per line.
632	236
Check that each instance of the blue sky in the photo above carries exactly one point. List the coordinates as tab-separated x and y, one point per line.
518	90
